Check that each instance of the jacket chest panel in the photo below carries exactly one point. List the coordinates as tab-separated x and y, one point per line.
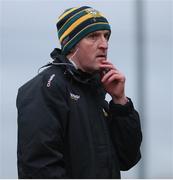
87	116
88	132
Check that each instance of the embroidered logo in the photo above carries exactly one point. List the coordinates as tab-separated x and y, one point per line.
50	80
74	96
105	113
93	12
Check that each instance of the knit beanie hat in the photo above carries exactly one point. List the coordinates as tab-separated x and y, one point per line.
75	23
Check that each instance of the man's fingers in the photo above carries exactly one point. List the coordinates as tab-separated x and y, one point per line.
106	65
109	74
113	75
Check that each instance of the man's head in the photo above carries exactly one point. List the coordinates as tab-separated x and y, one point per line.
75	23
83	33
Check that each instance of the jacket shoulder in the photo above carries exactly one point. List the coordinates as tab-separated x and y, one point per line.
51	82
50	77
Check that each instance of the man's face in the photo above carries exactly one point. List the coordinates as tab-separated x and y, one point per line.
92	50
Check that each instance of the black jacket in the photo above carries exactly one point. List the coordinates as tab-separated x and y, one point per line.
67	130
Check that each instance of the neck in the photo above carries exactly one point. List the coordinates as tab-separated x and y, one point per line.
73	59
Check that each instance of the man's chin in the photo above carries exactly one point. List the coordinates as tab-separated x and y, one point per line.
93	71
96	71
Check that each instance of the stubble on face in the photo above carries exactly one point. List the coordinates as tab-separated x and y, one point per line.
92	50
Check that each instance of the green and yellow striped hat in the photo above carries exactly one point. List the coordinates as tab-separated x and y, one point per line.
75	23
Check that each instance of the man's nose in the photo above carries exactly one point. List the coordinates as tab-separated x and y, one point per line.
103	43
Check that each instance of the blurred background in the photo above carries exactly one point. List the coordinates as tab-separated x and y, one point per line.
141	46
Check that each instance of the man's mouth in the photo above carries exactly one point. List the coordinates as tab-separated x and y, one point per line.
101	56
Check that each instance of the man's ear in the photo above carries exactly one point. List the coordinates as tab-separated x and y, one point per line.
73	49
76	46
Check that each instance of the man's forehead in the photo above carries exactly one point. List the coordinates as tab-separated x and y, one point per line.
101	32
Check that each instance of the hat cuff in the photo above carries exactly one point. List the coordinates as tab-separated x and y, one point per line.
73	41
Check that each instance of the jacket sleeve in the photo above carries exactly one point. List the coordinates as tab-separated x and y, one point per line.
126	133
42	114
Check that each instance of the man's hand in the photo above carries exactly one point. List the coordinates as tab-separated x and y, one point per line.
113	82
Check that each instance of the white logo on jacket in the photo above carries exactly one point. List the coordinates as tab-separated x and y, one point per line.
74	96
50	80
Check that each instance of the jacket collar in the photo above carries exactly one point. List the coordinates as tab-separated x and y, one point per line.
90	80
77	74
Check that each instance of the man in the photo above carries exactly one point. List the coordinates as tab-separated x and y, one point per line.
66	129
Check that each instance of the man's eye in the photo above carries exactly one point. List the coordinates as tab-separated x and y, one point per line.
92	36
107	36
